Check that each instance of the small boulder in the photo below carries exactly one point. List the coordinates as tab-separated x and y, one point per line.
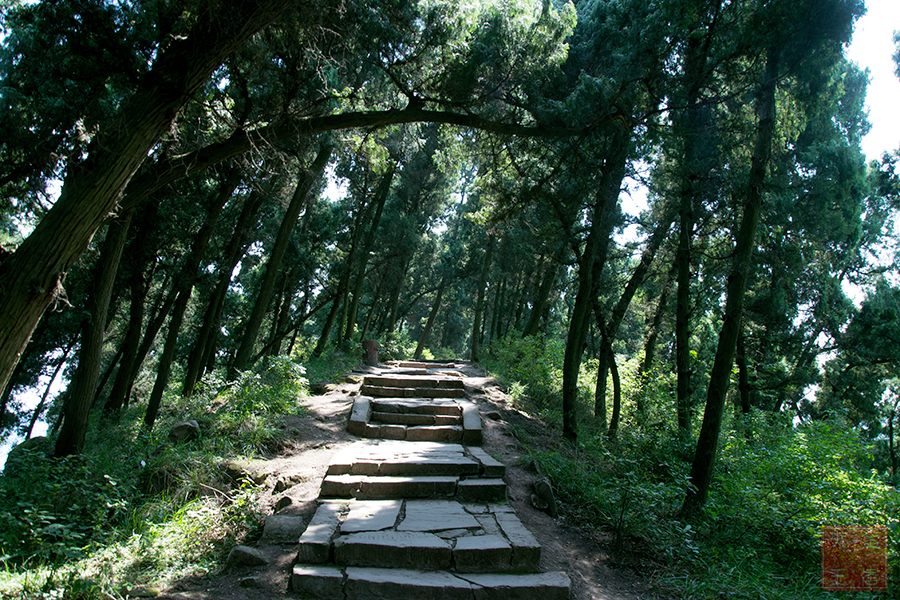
238	471
283	503
245	556
184	431
544	494
287	481
283	529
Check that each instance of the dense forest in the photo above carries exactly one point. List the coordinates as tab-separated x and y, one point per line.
651	219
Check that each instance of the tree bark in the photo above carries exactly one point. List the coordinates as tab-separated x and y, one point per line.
705	454
381	195
33	276
479	302
534	319
590	266
184	285
420	347
140	254
78	403
40	407
305	184
203	352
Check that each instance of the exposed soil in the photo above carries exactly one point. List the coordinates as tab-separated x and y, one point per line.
322	433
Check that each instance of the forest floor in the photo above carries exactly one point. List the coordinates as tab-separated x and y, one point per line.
319	434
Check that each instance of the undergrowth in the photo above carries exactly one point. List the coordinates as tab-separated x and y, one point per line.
776	484
134	508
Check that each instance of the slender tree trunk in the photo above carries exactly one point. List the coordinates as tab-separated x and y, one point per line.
305	184
205	344
39	409
892	450
78	403
604	357
140	255
33	276
617	398
609	328
743	376
381	195
589	267
705	455
185	286
479	302
420	347
534	320
375	300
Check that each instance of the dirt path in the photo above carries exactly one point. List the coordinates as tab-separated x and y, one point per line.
322	433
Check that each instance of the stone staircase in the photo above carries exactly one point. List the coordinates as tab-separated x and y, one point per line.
418	511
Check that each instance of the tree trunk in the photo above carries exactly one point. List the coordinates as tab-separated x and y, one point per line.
534	319
704	457
420	347
184	285
743	376
40	407
479	302
78	403
301	194
589	267
609	328
617	398
205	344
33	276
381	195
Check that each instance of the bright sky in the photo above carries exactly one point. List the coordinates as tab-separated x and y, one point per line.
873	48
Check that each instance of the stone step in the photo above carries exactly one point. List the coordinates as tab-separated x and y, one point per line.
413	486
394	458
421	534
413	381
370	583
411	392
374	418
395	418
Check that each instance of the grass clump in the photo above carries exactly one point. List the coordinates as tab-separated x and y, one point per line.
135	509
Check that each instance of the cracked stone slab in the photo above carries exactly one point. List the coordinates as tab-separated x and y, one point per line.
393	549
482	554
553	585
315	543
436	515
405	584
371	515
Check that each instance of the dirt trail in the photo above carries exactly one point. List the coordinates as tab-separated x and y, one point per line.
322	433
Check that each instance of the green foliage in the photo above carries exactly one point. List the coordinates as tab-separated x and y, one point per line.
533	363
52	510
79	526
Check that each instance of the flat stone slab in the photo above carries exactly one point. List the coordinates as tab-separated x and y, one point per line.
553	585
393	549
491	467
481	490
526	550
435	433
482	554
436	515
403	584
413	381
315	543
324	582
371	515
418	407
